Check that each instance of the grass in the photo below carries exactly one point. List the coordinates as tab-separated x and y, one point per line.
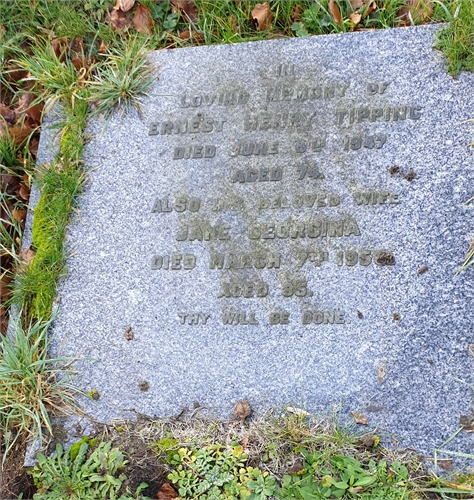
33	386
457	40
74	59
123	79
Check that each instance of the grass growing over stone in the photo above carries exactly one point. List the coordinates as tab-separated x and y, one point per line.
73	54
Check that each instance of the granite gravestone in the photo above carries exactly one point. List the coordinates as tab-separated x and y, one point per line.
284	224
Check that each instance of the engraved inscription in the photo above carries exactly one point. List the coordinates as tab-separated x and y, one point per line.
239	318
193	318
323	317
174	262
194	152
248	289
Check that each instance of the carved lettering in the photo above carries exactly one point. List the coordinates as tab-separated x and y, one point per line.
255	260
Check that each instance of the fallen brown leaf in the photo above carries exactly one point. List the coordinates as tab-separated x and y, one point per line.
7	113
359	418
19	215
118	20
369	440
242	409
25	107
335	12
372	7
27	255
59	46
196	36
298	466
356	4
166	492
187	7
124	5
234	24
297	13
418	10
24	192
355	18
262	16
77	45
19	133
103	48
142	20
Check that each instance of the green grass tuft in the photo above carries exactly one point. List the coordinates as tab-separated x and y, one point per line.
32	385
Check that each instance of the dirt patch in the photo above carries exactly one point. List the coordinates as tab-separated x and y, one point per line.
14	479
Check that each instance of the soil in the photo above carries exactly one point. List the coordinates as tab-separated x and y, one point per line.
14	479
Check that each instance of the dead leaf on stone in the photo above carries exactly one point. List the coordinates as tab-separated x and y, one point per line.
187	7
335	12
27	255
466	423
124	5
262	16
415	12
359	418
166	492
355	18
118	20
142	20
242	409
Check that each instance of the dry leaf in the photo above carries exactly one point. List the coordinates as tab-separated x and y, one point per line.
118	20
297	411
103	47
262	16
77	45
7	113
359	418
197	36
19	215
242	409
27	255
372	7
335	12
166	492
415	11
24	192
20	133
244	441
297	13
355	18
187	7
298	466
142	20
124	5
356	4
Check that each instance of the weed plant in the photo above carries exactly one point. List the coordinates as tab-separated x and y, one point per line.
33	386
457	40
123	78
73	475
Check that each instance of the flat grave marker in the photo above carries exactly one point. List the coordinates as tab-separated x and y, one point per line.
284	225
